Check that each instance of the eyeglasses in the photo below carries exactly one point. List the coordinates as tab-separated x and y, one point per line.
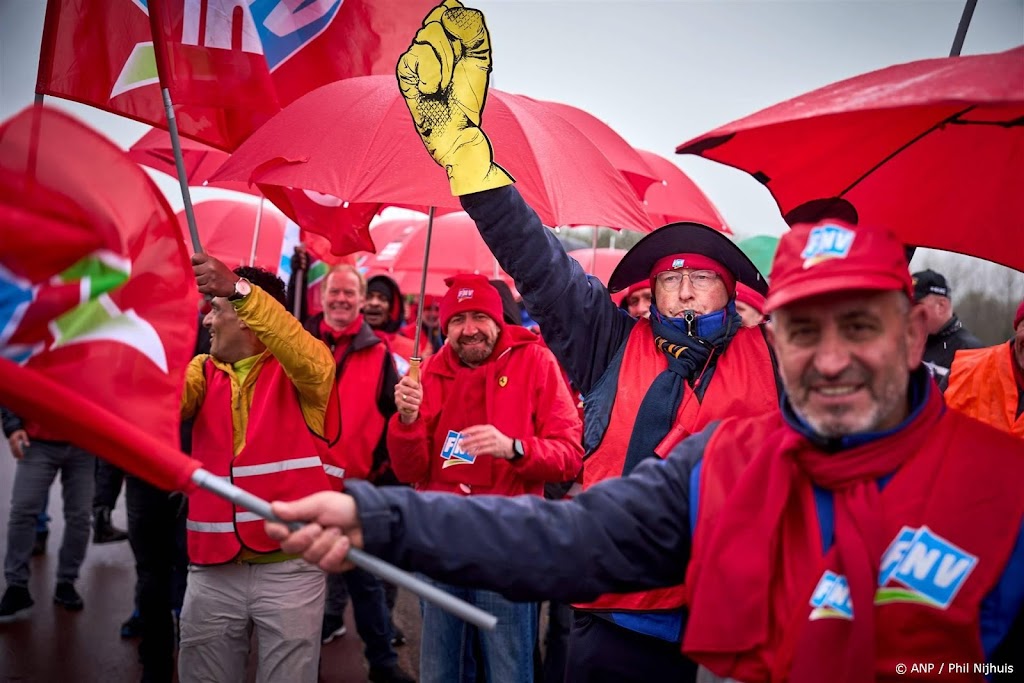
700	280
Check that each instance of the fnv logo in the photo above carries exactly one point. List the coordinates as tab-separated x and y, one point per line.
831	598
827	242
924	568
452	453
464	293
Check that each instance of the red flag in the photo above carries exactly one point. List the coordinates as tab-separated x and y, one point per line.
97	300
346	226
229	64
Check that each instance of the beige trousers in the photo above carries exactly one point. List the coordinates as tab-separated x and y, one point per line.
283	603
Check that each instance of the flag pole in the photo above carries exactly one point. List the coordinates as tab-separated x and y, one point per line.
256	233
414	362
961	30
172	127
465	611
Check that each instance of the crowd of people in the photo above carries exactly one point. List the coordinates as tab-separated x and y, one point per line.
807	475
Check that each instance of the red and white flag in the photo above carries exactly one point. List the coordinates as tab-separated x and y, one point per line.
98	306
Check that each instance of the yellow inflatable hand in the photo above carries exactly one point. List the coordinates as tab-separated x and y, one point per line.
444	76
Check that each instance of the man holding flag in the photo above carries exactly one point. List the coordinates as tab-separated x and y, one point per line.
260	404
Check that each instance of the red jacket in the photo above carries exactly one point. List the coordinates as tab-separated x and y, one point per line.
743	386
523	396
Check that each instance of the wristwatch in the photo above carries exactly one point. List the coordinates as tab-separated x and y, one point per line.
242	289
517	450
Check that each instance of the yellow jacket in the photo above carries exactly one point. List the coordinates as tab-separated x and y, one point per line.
306	360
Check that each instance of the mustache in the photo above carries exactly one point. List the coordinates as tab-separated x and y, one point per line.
470	339
849	375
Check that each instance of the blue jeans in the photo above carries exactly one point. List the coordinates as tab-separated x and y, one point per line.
33	477
507	650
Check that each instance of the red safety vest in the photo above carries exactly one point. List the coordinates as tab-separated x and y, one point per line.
743	385
279	462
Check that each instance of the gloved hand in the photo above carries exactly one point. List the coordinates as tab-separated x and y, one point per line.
444	76
300	259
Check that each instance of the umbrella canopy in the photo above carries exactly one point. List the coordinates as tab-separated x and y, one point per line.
155	151
456	247
600	263
932	150
677	199
228	228
354	139
620	153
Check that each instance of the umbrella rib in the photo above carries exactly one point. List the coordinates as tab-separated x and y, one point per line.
901	148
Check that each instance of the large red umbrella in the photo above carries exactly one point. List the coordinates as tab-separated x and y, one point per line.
677	199
933	150
230	229
455	247
620	153
354	139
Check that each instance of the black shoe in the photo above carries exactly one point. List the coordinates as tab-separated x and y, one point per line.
333	627
132	627
390	674
103	531
15	604
39	545
67	597
398	637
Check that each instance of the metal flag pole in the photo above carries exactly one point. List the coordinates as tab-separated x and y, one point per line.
414	362
961	30
256	233
172	128
465	611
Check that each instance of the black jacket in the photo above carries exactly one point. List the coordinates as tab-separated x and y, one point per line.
939	350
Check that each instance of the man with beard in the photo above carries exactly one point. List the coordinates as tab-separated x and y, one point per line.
366	378
861	529
491	416
988	384
646	382
431	338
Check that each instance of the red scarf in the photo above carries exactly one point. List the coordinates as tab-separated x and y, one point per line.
339	340
754	568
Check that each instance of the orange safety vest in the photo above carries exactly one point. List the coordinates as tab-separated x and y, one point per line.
279	462
743	385
982	385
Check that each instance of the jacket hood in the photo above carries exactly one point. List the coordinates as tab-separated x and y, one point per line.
396	314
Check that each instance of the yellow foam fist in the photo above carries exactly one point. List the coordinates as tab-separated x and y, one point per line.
444	77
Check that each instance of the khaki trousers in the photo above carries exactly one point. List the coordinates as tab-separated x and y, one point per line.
283	603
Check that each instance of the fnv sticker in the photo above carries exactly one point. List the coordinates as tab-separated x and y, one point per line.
831	598
923	568
464	293
452	453
827	242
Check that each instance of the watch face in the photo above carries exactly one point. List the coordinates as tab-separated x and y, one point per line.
242	288
517	446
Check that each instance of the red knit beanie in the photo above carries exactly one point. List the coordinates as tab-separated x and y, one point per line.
470	293
1020	315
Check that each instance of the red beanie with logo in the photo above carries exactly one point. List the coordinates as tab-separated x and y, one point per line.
470	293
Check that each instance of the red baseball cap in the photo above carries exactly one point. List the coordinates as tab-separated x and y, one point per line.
833	256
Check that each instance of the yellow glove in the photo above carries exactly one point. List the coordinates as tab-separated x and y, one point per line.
443	76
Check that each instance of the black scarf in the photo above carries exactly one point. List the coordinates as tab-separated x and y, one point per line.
690	358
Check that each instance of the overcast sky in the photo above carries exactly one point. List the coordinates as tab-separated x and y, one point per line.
659	72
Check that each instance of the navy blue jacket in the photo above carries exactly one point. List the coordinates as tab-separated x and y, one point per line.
531	549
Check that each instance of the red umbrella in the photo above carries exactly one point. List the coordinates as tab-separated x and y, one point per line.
354	139
455	247
600	263
620	153
676	198
228	229
154	150
933	150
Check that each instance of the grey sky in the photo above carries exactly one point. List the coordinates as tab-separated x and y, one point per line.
659	72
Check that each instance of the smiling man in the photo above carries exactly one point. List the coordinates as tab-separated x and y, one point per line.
492	416
862	527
